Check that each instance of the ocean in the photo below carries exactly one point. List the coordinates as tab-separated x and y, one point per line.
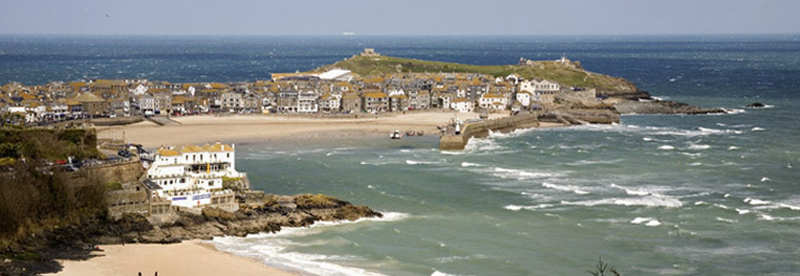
653	195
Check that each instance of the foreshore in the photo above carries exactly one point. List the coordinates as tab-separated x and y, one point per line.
201	258
246	128
197	258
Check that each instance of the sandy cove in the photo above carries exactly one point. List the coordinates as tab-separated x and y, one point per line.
236	128
195	258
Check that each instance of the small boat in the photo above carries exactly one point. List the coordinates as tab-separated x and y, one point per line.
396	135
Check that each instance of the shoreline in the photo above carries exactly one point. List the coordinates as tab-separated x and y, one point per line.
198	258
251	128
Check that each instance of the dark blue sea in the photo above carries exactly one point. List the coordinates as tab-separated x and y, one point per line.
653	195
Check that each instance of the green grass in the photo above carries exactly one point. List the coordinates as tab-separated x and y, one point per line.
565	75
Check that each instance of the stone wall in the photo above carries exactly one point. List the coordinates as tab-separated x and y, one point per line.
482	129
123	172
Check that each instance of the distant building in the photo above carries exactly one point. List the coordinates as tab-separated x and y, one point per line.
370	52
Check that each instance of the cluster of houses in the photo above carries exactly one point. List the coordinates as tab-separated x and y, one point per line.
334	91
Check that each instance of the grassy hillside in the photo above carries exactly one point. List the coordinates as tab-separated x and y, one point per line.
566	75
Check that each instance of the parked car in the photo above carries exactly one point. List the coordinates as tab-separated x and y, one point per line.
125	153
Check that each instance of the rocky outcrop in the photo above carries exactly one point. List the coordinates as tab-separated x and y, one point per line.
266	213
269	216
662	107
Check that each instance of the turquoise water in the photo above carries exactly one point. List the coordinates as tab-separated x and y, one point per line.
654	195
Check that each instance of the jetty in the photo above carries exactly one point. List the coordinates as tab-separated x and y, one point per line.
457	140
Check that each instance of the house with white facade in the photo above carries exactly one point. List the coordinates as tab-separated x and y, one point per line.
137	89
540	87
493	101
192	176
524	98
462	105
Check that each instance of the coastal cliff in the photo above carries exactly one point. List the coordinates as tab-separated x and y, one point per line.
36	253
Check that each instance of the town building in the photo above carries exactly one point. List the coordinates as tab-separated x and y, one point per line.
192	176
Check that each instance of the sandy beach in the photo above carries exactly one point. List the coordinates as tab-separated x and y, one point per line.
195	258
238	128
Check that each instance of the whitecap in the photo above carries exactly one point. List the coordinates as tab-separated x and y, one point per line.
742	211
520	174
468	164
727	220
450	259
647	221
648	201
532	207
452	152
699	147
597	162
414	162
765	179
733	148
666	147
753	201
631	191
565	188
733	110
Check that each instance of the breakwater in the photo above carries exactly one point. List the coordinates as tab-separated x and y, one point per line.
481	130
451	141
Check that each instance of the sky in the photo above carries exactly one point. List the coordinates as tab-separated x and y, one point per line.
407	17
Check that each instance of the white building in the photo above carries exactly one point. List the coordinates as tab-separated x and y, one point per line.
524	98
539	87
307	102
462	105
337	75
138	89
192	175
493	101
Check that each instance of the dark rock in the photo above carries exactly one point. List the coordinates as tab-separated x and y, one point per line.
755	105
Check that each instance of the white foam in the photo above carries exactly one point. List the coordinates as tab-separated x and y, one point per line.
566	188
648	201
452	152
647	221
753	201
666	147
742	211
532	207
414	162
765	179
733	148
632	191
596	162
520	174
699	147
756	129
733	110
468	164
450	259
439	273
727	220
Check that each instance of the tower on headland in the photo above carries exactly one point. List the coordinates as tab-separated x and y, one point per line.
370	52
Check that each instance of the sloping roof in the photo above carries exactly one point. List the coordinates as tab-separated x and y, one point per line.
168	152
375	95
87	97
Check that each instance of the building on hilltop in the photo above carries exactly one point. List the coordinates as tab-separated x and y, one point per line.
370	52
192	176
